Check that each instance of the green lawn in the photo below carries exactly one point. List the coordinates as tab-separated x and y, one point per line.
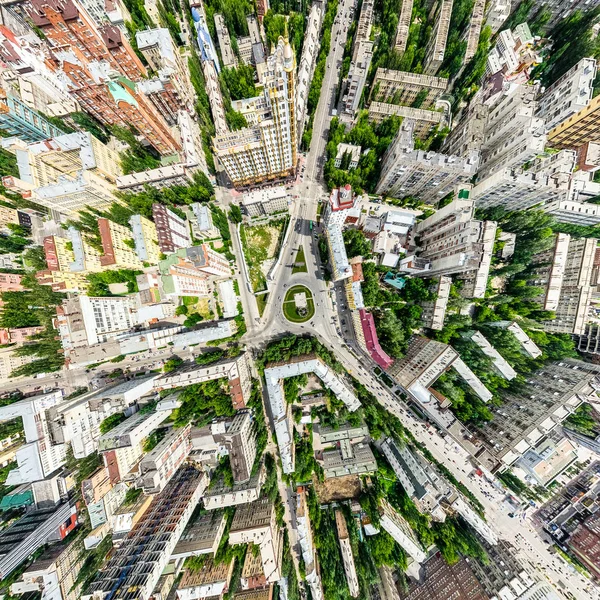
261	243
289	305
300	262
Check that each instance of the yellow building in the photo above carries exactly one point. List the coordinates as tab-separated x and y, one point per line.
582	127
64	281
145	239
8	215
117	243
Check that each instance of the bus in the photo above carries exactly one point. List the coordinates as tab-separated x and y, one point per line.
311	225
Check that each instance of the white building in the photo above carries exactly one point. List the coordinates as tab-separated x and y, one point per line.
401	531
568	94
347	557
500	363
259	203
528	346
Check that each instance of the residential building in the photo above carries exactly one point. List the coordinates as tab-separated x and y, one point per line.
201	536
341	208
513	189
547	460
503	57
210	581
256	523
310	49
221	495
144	237
569	94
11	282
424	120
281	411
513	134
240	440
227	54
347	557
369	334
353	155
173	232
577	129
29	533
499	363
260	203
348	459
159	178
67	195
404	21
180	277
54	573
18	119
442	581
427	175
138	562
436	46
400	530
496	12
266	150
565	274
474	31
202	222
528	346
88	321
401	87
525	417
132	431
452	242
101	69
305	539
116	246
357	76
467	135
160	464
434	311
236	370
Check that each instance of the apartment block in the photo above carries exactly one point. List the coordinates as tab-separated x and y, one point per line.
310	49
441	581
145	239
54	572
468	134
159	178
256	524
436	47
227	54
568	94
266	150
496	12
202	222
212	580
424	120
528	346
116	247
513	189
434	311
565	273
427	175
452	242
400	530
577	129
140	560
220	495
357	76
499	363
513	134
527	416
201	536
347	557
18	119
11	282
173	232
132	430
180	277
259	203
400	87
404	20
474	30
348	458
240	440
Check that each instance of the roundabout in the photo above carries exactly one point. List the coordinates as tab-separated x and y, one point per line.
298	304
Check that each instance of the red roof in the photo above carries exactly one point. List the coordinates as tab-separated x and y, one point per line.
357	272
375	350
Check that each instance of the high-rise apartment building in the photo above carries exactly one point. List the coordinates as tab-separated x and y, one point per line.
497	11
427	175
18	119
452	242
240	439
568	94
565	274
468	134
267	149
513	134
208	260
403	26
436	47
582	127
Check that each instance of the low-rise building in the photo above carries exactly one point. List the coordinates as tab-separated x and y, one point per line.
400	530
347	557
347	153
173	232
424	120
202	222
144	237
159	178
211	580
266	202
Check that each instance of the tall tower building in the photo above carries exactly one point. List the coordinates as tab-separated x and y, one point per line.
266	150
